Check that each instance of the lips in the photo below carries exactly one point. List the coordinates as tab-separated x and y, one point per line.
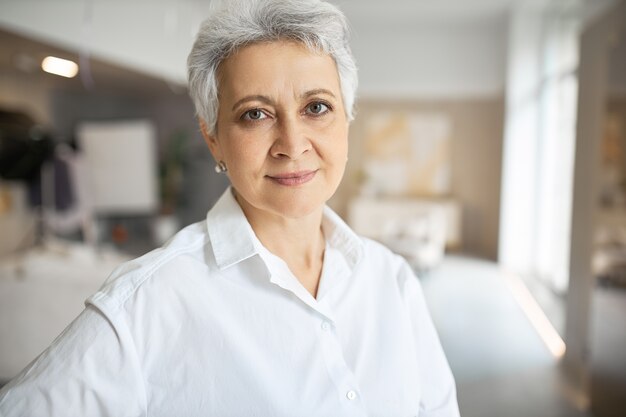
293	178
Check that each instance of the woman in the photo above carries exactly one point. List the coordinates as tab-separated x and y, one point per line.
272	306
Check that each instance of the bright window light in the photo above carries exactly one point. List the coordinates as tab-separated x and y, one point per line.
58	66
536	316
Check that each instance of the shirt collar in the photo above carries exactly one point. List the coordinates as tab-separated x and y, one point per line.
233	239
341	237
229	231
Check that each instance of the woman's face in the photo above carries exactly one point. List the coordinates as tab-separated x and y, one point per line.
281	130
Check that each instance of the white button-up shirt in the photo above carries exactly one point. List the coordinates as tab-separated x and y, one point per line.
213	324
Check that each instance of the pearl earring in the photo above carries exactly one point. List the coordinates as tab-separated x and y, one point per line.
220	167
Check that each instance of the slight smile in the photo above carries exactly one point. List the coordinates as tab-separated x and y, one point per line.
293	178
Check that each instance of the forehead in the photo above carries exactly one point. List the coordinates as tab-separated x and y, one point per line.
276	68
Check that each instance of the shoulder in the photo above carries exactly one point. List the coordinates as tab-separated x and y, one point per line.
386	268
392	276
187	247
378	256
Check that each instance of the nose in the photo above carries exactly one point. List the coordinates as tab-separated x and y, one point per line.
290	141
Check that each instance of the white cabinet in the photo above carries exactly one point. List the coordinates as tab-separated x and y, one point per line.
418	229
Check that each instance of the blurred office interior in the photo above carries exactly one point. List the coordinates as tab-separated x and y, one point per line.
489	148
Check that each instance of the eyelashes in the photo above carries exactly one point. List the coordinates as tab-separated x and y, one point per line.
318	108
315	109
253	115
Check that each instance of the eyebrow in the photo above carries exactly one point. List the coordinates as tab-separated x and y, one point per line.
267	100
318	91
257	97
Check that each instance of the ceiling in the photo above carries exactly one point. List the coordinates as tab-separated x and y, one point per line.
21	57
123	74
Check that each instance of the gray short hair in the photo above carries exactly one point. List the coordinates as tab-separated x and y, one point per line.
319	25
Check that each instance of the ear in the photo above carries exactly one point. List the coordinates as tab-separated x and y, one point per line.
210	140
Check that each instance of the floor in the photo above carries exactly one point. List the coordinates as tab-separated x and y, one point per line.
501	365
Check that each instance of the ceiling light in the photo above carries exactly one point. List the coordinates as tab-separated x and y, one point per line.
58	66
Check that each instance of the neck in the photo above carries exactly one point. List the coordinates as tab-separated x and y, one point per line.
298	241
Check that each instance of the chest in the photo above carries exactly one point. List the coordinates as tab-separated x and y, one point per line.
261	351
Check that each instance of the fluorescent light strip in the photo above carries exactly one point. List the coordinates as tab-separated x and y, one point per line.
536	316
57	66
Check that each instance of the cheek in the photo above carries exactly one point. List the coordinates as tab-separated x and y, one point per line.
337	147
237	146
246	153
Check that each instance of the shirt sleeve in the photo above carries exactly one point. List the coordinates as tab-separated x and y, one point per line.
438	397
91	369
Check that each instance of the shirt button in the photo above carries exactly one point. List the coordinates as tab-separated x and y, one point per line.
325	326
351	395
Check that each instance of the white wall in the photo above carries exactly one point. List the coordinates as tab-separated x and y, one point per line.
428	61
593	81
411	55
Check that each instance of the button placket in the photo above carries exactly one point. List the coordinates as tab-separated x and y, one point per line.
337	367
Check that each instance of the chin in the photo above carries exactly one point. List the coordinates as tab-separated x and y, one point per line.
296	205
289	202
